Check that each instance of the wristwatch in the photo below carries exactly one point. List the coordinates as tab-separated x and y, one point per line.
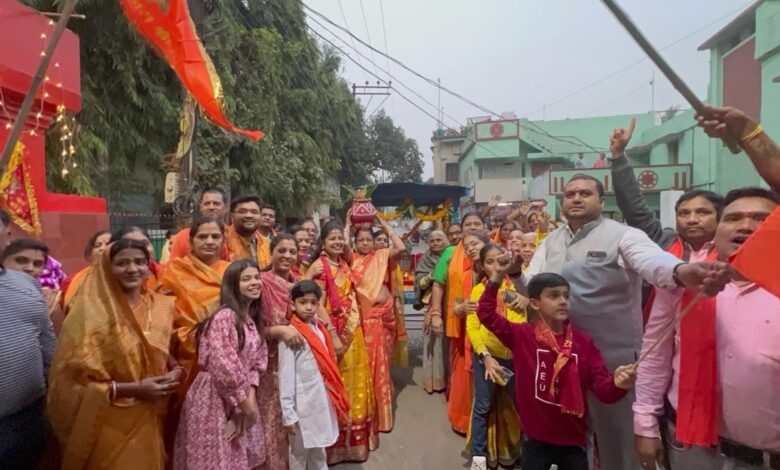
483	355
676	275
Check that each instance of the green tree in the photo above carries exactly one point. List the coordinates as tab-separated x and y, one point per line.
274	78
395	156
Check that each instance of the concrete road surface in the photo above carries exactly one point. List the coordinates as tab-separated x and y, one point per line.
422	437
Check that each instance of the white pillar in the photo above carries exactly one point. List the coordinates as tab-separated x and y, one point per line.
667	202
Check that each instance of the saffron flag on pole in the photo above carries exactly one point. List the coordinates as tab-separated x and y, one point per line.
17	195
167	25
758	258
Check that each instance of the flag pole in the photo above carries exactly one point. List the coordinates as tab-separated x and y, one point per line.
29	98
670	328
663	66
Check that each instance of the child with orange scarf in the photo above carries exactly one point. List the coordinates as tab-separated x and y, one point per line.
311	392
555	366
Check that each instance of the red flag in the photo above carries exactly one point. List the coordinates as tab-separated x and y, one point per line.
758	258
17	195
171	31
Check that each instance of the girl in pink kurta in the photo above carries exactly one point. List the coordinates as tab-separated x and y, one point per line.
220	427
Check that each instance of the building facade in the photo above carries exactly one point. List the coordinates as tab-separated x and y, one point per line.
522	159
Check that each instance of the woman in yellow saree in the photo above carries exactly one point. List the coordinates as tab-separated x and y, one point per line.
372	270
339	311
112	373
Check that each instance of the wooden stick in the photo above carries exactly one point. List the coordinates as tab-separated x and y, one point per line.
659	61
29	98
669	328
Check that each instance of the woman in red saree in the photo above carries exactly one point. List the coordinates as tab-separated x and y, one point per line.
277	280
339	312
459	394
371	270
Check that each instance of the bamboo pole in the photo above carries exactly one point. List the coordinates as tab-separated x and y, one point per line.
669	328
29	98
664	66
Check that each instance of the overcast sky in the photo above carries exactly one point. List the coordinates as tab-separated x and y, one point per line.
521	55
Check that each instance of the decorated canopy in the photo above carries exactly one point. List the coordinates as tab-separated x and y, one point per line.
398	194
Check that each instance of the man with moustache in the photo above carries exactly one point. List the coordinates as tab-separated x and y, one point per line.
213	202
605	263
243	238
715	380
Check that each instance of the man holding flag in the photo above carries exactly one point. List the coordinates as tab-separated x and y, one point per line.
717	377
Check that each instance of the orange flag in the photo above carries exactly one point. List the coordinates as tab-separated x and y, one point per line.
757	259
167	25
17	195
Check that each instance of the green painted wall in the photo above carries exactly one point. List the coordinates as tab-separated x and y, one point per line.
594	131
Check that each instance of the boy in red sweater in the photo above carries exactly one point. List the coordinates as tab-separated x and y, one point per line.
555	366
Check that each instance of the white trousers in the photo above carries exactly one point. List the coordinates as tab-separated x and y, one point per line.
302	458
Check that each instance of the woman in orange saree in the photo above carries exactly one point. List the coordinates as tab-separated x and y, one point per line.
372	270
339	312
459	395
195	281
112	373
277	280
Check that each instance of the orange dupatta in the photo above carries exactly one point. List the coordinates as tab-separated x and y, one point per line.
196	287
325	355
369	272
459	263
103	339
239	247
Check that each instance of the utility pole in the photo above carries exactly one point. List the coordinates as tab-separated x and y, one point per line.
438	105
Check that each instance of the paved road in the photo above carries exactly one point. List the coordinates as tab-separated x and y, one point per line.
422	437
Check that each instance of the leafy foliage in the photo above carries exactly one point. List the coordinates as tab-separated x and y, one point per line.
274	77
397	156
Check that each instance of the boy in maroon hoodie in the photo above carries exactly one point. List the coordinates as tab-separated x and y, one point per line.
555	366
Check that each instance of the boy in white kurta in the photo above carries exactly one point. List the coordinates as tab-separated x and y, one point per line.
309	409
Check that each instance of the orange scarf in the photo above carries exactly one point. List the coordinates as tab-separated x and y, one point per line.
459	263
325	355
239	247
566	377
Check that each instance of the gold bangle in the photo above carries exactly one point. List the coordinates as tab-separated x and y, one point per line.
758	130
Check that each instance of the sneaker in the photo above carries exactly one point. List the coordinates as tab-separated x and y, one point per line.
479	463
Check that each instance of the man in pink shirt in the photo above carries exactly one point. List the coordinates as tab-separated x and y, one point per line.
741	428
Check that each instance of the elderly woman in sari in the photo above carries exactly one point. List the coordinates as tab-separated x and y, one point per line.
112	373
372	270
276	281
434	362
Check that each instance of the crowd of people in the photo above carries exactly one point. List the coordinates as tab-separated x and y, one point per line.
250	347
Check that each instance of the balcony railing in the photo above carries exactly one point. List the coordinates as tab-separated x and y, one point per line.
652	179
